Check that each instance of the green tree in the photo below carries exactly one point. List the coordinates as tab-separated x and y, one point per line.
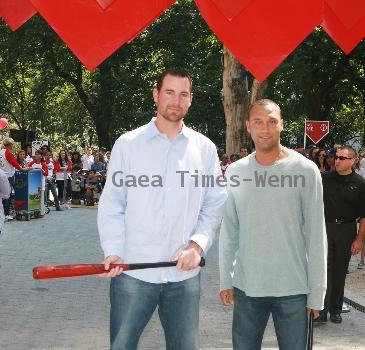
317	82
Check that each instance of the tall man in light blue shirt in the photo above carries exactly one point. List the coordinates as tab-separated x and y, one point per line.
154	208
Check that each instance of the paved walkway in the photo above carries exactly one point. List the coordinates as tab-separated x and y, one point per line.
74	313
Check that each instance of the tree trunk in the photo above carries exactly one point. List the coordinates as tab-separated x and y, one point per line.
104	106
237	101
257	90
103	132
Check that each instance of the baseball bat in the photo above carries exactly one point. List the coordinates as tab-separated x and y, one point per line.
74	270
310	332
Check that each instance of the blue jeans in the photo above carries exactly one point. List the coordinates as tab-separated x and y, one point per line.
133	302
50	186
250	316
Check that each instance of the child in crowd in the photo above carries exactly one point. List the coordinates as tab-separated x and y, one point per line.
92	188
21	159
38	163
234	157
224	163
76	182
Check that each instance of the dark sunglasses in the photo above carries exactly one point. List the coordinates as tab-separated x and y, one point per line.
342	157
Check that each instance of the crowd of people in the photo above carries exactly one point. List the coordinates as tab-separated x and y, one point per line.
324	159
68	175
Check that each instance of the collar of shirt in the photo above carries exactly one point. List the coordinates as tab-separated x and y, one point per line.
152	130
344	177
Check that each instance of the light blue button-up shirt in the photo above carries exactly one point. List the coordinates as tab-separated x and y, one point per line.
149	209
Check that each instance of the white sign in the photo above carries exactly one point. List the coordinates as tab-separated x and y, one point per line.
37	145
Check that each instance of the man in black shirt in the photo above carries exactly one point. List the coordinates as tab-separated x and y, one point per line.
344	203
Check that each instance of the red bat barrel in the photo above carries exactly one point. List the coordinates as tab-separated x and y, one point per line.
74	270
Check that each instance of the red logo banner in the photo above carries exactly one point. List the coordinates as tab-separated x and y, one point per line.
345	38
16	12
105	3
265	32
260	33
316	130
93	33
348	12
231	8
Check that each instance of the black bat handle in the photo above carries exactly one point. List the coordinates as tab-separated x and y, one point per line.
159	264
310	332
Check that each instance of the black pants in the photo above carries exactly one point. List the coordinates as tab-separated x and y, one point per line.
60	189
7	201
339	238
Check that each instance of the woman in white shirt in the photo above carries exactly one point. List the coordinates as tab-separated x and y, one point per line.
62	168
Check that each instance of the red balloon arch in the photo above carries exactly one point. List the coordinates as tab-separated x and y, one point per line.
260	33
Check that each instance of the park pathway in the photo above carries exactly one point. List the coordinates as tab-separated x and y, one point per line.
74	313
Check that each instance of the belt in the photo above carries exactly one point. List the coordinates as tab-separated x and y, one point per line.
340	221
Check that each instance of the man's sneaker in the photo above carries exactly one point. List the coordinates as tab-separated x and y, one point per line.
361	265
322	318
336	318
9	218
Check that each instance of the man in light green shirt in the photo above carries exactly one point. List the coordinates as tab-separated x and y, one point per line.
272	243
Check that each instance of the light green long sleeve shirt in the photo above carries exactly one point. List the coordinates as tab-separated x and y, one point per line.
273	239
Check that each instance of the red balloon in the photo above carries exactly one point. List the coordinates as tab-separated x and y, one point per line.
345	38
93	33
3	123
16	12
231	8
348	12
265	32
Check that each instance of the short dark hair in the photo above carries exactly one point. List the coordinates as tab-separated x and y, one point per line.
234	157
349	149
264	102
247	147
175	72
76	153
38	152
